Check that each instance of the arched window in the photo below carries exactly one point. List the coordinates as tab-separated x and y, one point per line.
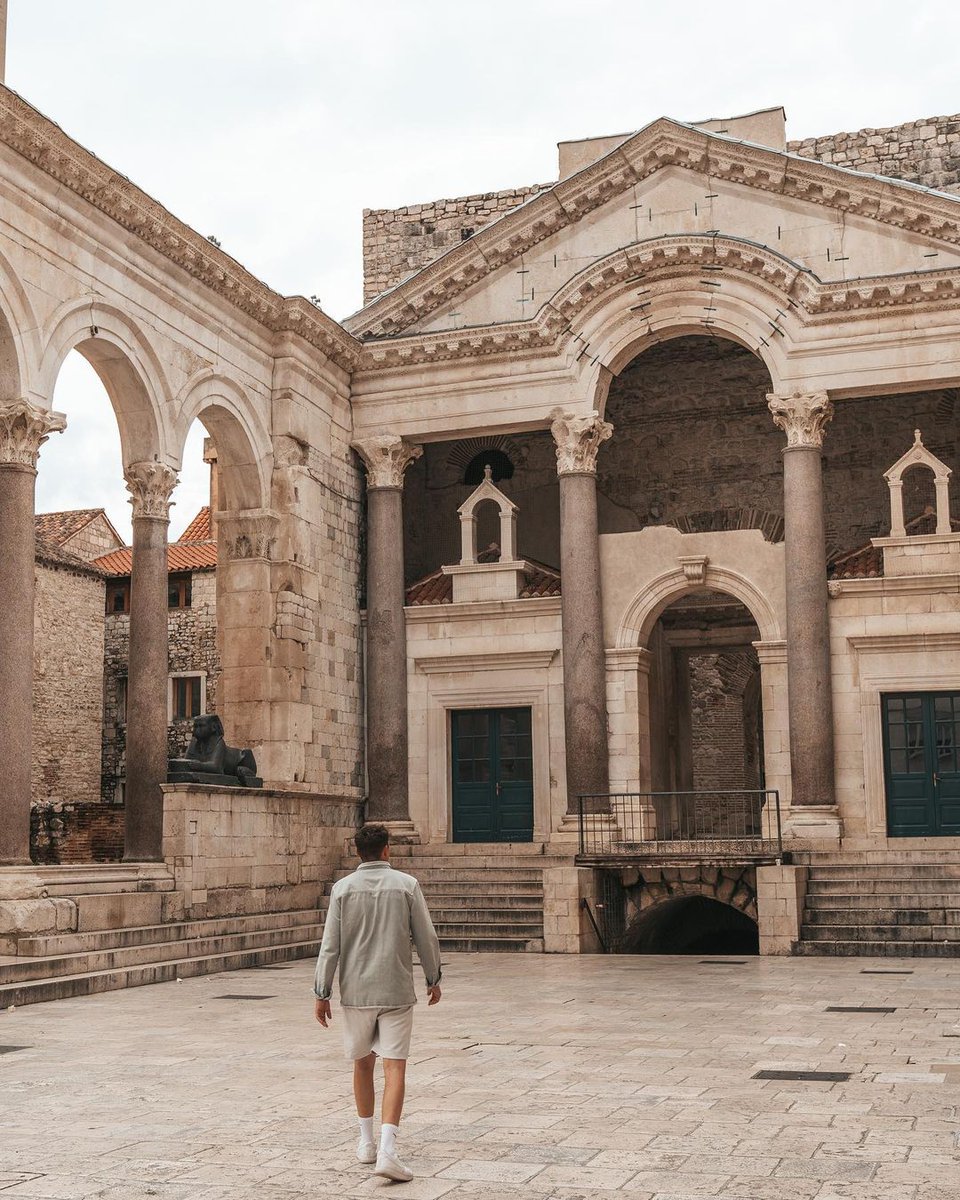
500	467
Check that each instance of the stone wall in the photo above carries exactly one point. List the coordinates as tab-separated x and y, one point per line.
399	241
97	537
76	833
68	685
925	151
235	850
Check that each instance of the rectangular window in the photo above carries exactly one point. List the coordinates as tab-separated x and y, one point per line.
118	596
180	591
187	696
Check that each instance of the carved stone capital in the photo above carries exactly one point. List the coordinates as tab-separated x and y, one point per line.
249	533
24	427
386	457
150	485
802	417
578	440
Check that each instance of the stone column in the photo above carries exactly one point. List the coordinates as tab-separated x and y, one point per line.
386	457
584	672
23	429
150	485
803	417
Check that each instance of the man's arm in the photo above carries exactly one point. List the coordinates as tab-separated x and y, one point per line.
327	960
426	942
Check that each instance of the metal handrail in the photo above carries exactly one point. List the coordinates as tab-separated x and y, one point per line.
723	821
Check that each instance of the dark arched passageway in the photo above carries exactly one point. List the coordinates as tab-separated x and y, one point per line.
692	925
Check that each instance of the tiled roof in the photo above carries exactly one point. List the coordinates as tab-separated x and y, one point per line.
199	529
190	553
866	562
437	588
59	527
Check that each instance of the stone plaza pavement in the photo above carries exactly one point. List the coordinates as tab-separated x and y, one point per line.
537	1077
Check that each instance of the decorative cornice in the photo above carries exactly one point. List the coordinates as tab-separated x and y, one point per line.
386	457
578	441
150	485
24	427
880	643
664	143
657	263
802	417
506	660
46	145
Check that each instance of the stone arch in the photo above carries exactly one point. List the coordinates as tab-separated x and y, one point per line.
127	365
244	450
653	894
19	339
642	613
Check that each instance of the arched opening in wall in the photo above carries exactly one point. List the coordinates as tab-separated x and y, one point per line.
692	925
487	517
919	497
500	467
706	713
694	445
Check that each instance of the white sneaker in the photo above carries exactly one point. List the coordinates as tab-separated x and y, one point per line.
367	1152
390	1167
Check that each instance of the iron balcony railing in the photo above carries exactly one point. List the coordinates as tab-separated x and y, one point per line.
681	824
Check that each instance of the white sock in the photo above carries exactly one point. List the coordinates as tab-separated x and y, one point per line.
366	1129
388	1138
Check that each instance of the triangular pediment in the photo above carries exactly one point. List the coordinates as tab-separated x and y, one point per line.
667	181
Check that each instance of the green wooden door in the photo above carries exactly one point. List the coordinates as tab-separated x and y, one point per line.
492	775
921	732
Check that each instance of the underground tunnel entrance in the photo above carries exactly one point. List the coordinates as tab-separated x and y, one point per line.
692	925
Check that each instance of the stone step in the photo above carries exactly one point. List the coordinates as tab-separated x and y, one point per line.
486	850
85	984
489	945
883	887
882	949
475	912
454	895
942	870
460	928
93	962
889	900
870	915
110	939
884	933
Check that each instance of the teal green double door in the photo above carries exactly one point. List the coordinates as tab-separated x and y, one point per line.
921	758
492	760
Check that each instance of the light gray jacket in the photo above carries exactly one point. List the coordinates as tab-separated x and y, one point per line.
373	915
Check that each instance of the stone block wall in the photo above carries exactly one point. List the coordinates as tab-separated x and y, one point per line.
76	833
97	537
780	895
68	685
399	241
234	851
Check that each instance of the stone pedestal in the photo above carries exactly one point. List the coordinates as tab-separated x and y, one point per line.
803	417
23	429
781	891
584	664
386	458
150	485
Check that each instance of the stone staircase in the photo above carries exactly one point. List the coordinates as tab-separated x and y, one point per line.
54	967
481	897
890	908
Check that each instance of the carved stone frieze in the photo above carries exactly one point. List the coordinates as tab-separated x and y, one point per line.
386	457
578	439
24	427
247	533
802	416
151	485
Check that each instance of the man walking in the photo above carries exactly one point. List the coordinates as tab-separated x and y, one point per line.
373	915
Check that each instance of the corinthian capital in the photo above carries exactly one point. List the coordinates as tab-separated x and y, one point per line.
386	457
578	440
150	485
802	417
24	427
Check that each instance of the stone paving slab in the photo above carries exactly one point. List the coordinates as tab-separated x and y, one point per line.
537	1078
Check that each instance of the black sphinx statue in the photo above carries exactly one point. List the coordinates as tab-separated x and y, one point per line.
210	760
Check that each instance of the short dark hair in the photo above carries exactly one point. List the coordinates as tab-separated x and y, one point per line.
370	841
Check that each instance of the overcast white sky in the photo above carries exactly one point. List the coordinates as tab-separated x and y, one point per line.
272	125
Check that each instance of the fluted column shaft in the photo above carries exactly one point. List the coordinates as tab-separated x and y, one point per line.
23	429
150	485
386	458
584	664
810	696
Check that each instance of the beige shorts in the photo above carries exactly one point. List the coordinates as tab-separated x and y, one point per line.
384	1031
